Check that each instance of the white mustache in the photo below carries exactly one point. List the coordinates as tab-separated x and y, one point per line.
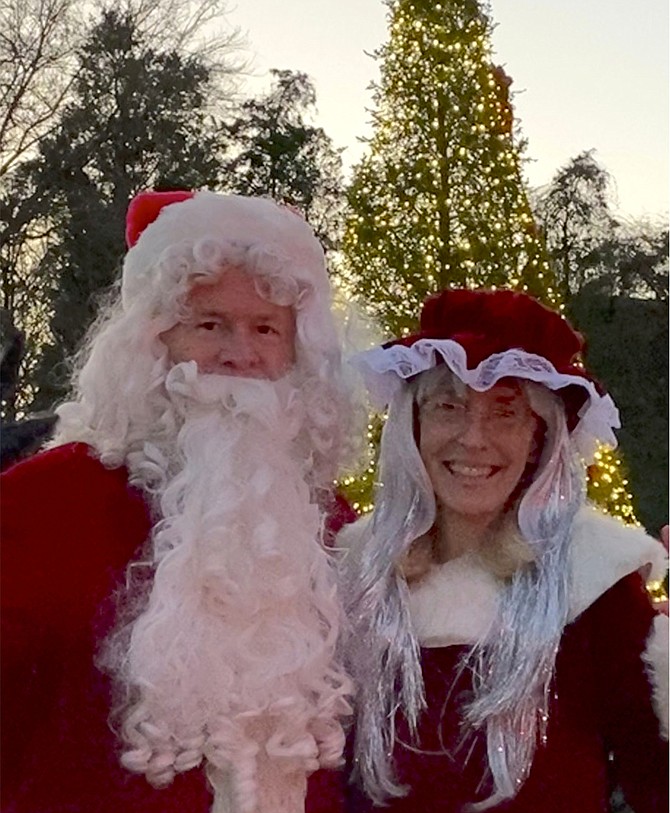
272	403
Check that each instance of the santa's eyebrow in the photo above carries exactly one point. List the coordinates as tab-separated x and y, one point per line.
214	314
269	317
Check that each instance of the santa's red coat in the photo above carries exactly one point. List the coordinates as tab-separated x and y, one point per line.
69	529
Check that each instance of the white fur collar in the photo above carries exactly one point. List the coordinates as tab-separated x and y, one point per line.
456	602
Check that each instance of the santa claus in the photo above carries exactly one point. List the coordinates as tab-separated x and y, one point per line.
169	606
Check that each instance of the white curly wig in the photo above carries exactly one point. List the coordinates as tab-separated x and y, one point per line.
227	655
119	403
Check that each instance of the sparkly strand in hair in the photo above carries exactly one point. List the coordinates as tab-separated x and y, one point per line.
384	657
514	665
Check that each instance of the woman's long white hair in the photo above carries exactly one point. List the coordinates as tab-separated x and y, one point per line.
513	666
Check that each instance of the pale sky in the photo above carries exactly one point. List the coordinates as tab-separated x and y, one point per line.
588	73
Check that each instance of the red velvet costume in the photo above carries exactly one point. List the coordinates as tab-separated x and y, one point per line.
601	703
603	698
69	529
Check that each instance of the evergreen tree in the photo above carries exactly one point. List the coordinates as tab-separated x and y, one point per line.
577	222
277	152
25	296
636	371
138	119
439	198
589	246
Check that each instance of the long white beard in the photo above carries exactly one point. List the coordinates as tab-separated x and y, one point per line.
233	659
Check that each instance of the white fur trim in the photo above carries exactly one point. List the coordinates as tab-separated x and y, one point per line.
603	551
656	660
386	368
456	602
468	598
243	222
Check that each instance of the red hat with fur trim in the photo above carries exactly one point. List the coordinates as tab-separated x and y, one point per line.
485	335
251	231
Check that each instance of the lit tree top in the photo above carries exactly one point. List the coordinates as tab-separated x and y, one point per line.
439	200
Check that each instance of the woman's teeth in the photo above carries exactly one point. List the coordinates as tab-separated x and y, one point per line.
470	471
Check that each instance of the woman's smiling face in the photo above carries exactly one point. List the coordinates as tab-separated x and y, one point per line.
475	447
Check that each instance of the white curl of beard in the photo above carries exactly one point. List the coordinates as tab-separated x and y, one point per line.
233	659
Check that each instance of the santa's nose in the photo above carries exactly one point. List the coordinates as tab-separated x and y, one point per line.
238	355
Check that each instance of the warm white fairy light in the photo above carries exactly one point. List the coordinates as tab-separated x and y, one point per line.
439	200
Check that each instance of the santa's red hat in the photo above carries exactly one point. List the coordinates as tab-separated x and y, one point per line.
145	207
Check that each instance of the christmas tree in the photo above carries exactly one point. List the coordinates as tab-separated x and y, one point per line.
439	198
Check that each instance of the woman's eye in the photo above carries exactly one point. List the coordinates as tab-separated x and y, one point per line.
448	406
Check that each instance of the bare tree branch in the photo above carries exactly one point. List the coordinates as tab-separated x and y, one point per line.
37	45
197	27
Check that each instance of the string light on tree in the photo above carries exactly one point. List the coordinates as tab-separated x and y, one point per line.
608	486
439	199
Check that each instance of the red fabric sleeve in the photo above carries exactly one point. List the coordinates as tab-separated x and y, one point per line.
65	521
67	525
621	623
325	792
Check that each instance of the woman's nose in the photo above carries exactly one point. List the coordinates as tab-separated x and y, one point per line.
474	430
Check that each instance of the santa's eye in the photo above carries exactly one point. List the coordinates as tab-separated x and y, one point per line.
207	325
266	330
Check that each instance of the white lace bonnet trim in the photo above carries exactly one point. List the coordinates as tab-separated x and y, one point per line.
384	370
